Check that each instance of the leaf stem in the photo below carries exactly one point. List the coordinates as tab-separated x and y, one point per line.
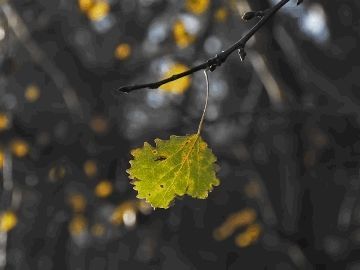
206	103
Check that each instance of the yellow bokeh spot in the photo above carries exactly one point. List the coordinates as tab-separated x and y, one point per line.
90	168
19	148
77	202
97	229
98	11
197	6
103	189
182	38
249	236
234	221
77	225
8	221
32	93
2	158
221	14
179	86
117	217
99	124
122	51
85	5
4	121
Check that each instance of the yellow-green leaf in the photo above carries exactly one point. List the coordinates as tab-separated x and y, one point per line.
175	167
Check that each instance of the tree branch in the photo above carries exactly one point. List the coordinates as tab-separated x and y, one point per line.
220	58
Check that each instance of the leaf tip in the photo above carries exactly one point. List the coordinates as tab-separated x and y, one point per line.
135	152
147	145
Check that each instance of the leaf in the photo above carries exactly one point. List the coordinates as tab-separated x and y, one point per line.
175	167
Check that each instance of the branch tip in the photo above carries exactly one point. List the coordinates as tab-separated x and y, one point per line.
124	89
214	62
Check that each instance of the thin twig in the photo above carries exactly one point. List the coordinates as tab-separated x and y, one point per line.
206	103
220	58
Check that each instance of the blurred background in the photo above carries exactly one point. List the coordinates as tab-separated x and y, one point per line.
284	125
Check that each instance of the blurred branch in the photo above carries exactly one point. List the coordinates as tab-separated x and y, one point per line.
220	58
267	78
310	77
21	31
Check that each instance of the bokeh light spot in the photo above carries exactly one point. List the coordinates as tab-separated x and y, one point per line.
2	158
77	202
221	14
85	5
178	86
19	148
90	168
32	93
8	221
123	51
197	6
4	121
98	11
77	225
99	124
181	36
250	236
103	189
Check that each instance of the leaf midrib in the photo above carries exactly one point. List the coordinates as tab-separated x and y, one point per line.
182	164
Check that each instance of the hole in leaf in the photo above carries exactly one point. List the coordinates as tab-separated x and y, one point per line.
160	158
162	186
